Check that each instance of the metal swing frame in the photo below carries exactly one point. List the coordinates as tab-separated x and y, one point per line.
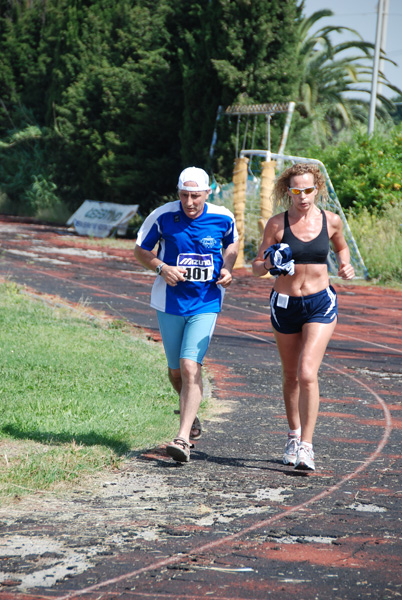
262	109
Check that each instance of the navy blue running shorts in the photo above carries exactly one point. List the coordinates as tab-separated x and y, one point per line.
290	313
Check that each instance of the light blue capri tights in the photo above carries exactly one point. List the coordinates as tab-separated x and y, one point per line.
186	337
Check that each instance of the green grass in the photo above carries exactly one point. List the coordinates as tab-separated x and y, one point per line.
76	395
379	239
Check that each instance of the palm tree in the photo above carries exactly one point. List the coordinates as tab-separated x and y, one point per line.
329	75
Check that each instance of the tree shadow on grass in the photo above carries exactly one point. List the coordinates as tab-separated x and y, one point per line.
92	438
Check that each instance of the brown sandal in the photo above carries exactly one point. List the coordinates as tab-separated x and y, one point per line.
196	429
179	450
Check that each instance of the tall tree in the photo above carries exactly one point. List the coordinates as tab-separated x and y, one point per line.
125	94
330	76
114	110
231	52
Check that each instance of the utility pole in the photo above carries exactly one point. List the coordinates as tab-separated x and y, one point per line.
383	43
374	83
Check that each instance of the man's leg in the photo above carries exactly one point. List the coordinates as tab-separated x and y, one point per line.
196	338
190	400
175	379
190	395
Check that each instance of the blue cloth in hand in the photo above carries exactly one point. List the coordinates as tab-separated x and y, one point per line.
280	256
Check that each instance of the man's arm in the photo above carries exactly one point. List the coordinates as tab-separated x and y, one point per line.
172	275
148	259
229	258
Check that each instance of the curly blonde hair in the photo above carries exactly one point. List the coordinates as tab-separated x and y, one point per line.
280	193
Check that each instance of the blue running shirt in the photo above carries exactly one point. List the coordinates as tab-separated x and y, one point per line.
196	245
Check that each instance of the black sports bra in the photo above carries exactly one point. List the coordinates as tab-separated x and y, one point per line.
313	252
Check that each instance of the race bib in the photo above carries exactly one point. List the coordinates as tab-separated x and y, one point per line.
199	267
283	300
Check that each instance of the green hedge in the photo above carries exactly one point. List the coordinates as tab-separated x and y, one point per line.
366	172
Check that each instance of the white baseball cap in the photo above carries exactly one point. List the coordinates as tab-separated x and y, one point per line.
199	176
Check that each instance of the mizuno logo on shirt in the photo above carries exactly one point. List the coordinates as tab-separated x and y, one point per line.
195	260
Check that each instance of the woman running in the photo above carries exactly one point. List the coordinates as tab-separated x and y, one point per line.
304	308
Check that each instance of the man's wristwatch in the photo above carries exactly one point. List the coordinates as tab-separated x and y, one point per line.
159	268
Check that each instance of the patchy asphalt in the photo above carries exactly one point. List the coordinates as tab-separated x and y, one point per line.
234	523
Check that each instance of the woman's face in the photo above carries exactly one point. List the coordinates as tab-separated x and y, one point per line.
302	191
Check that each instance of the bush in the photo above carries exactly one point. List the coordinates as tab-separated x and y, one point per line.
27	171
365	172
379	239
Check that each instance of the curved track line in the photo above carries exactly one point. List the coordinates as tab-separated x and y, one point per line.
391	326
351	337
182	557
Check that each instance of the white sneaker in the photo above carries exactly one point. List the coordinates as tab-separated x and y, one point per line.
291	448
305	458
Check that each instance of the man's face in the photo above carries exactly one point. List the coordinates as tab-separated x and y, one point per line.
193	202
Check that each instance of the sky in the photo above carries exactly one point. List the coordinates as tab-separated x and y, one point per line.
361	15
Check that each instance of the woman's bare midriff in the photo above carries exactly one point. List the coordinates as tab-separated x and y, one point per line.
307	280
